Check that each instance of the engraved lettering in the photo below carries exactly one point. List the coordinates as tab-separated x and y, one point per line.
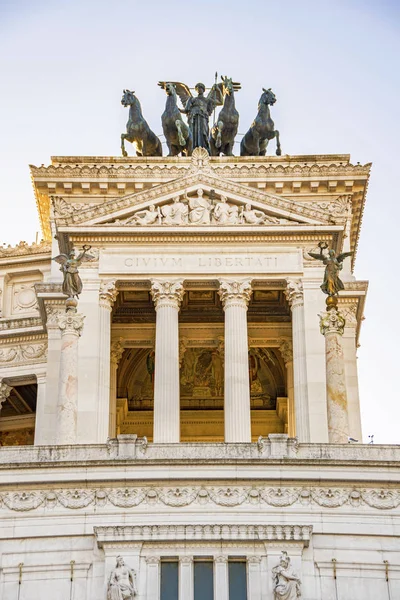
129	262
177	262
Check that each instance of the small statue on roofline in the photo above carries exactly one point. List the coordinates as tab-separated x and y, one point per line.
72	284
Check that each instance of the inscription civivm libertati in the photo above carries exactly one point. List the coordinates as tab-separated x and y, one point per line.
183	262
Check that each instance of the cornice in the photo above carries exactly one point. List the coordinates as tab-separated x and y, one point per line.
24	249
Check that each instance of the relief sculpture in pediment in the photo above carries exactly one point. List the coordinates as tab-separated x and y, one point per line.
199	210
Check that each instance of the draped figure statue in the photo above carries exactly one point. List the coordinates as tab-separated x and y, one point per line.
333	262
122	582
72	284
286	582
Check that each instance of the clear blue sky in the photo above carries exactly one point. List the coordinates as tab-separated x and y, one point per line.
334	67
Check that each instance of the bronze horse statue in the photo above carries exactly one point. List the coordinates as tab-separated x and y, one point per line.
137	130
223	133
177	133
255	141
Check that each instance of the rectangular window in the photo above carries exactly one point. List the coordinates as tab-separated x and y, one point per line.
203	580
237	580
169	580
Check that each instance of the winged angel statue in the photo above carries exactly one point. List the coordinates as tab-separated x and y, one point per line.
198	109
332	284
72	284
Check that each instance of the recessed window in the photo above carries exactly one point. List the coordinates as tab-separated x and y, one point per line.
237	580
203	580
169	580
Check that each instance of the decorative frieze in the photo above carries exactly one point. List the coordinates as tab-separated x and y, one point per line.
23	353
208	496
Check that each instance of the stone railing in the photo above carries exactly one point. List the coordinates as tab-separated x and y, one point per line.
275	447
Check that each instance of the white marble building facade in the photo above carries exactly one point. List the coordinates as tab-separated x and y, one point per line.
181	417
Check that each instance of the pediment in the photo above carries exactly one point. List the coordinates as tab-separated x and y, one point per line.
197	199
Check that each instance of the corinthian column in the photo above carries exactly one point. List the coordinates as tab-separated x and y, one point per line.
167	296
286	350
117	351
235	297
332	327
107	297
294	296
71	325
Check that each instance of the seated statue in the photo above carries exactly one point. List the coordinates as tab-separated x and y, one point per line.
286	582
200	209
122	582
225	214
175	213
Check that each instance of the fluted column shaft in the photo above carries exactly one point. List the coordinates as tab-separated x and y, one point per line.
235	296
71	325
294	296
332	327
167	296
117	351
286	349
107	297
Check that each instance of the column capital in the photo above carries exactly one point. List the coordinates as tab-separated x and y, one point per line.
286	350
235	293
294	292
107	293
71	322
186	560
116	352
221	559
152	560
332	321
167	293
5	391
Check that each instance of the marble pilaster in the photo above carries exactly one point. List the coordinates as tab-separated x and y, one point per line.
167	297
152	578
186	578
332	327
221	577
40	410
294	296
286	350
71	325
254	577
235	297
107	297
349	345
117	350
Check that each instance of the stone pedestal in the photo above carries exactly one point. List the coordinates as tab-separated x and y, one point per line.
294	296
332	327
71	325
107	297
235	297
167	296
116	353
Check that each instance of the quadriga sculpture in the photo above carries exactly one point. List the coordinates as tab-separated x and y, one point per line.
177	133
255	141
138	131
225	129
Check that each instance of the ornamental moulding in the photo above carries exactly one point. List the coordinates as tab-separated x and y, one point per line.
112	209
180	497
23	353
191	533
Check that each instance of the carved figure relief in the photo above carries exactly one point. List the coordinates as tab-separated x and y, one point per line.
201	209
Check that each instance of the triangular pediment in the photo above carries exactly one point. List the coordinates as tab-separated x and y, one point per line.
199	198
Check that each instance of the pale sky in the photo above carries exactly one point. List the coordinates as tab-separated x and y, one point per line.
334	67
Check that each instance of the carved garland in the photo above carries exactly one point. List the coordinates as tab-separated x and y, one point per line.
228	497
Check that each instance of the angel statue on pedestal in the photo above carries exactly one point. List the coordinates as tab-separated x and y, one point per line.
332	284
199	109
72	284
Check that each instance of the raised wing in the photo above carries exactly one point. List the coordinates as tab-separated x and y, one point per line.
317	256
340	257
182	90
61	259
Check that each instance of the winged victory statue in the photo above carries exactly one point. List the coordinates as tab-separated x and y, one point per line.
72	284
333	262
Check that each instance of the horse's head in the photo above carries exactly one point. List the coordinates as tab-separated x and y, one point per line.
228	85
268	97
170	89
128	98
